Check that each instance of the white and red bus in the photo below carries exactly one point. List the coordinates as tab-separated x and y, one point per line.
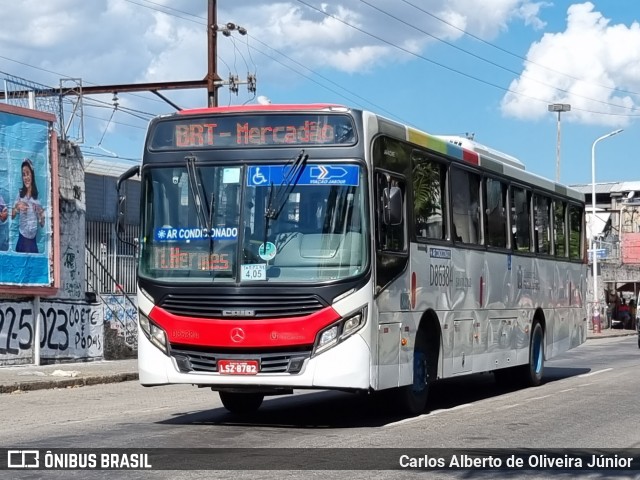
316	246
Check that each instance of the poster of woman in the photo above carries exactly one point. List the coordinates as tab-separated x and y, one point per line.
28	208
26	238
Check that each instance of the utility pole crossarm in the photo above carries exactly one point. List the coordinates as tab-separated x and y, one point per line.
120	88
212	81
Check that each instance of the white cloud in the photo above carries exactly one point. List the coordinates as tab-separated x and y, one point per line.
320	40
592	65
108	41
118	41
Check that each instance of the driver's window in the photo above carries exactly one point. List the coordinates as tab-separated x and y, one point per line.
391	231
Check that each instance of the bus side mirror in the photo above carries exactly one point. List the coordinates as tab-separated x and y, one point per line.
122	210
122	203
392	206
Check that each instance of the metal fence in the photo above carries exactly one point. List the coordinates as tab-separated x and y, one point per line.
110	264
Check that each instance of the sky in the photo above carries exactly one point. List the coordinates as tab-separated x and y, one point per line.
482	68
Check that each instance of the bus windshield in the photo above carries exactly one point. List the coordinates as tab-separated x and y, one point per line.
254	223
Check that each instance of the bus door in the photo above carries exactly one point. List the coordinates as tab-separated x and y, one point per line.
391	165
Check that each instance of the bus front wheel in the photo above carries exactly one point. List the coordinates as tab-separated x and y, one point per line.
238	402
413	398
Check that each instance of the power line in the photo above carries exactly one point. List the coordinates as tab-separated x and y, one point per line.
322	77
451	69
167	13
526	60
369	102
490	62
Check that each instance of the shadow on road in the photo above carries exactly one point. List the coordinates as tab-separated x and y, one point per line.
329	409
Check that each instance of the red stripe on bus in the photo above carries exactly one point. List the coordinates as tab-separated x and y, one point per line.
243	333
259	108
470	157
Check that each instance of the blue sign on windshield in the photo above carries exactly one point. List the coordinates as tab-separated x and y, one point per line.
265	175
170	234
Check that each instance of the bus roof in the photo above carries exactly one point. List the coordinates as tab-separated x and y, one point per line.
457	147
265	108
473	153
483	150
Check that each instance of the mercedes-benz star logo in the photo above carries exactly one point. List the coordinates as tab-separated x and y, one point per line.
237	335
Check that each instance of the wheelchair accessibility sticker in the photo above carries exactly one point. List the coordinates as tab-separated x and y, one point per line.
348	175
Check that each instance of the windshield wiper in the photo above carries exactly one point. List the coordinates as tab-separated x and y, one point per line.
278	200
195	187
199	198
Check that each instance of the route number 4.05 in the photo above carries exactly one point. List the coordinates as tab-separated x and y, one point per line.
257	271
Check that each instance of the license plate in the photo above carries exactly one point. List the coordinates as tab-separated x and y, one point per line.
238	367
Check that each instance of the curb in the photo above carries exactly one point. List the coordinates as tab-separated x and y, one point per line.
67	383
597	336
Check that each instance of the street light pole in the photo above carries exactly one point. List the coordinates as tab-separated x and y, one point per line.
559	107
597	326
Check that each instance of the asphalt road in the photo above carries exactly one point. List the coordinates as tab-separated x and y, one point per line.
590	399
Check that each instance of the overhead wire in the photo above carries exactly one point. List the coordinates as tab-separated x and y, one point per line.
350	92
526	60
369	102
490	62
334	83
451	69
162	11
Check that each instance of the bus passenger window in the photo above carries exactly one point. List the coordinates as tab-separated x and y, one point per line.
520	219
465	206
495	204
559	230
575	232
429	197
542	232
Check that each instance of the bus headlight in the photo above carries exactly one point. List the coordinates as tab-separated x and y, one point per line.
339	331
153	332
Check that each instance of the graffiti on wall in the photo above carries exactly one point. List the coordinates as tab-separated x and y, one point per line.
121	314
71	274
68	331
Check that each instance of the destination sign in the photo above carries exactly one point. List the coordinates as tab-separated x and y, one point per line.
237	131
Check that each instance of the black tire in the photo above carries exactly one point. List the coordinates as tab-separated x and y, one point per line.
412	399
241	403
530	375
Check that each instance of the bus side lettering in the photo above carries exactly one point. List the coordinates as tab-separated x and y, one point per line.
440	275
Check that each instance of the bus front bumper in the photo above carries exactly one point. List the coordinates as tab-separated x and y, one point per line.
345	366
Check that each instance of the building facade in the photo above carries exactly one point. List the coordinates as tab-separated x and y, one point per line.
615	229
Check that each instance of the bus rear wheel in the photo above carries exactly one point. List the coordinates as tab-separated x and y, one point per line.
530	375
238	402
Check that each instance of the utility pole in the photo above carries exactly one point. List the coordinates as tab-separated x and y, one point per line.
211	81
212	75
